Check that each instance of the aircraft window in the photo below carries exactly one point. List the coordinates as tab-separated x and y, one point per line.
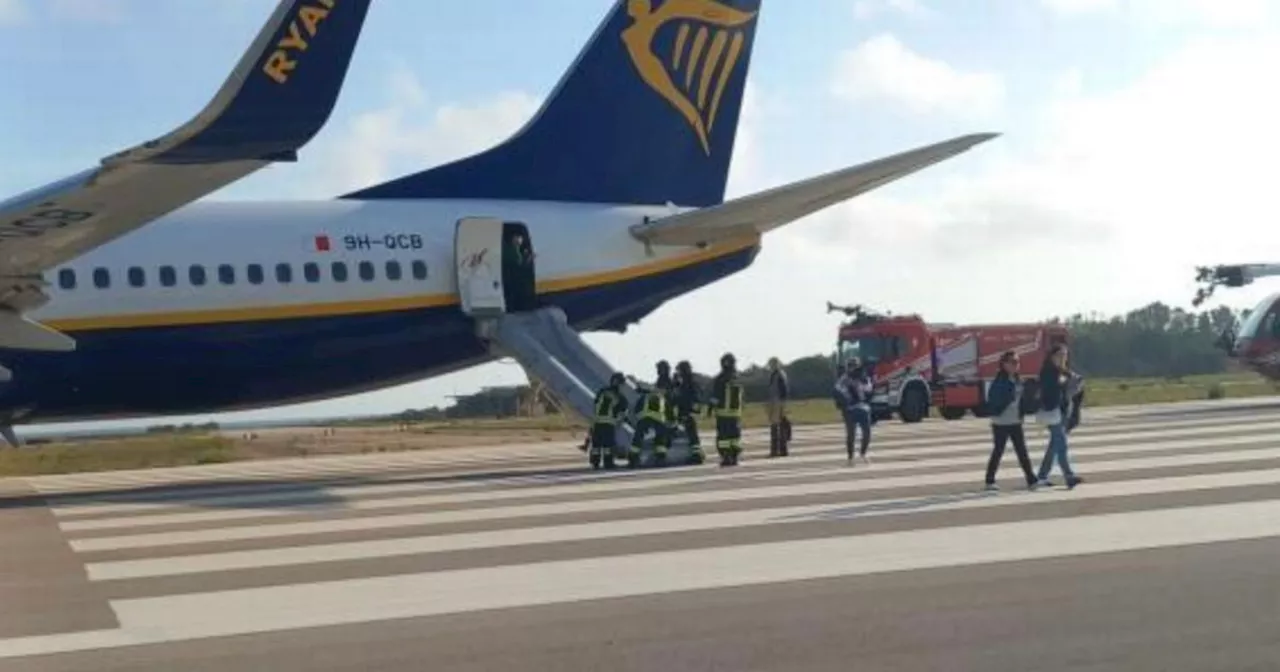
67	278
393	270
419	270
196	275
226	274
311	272
255	273
366	271
137	278
101	278
284	273
339	271
168	276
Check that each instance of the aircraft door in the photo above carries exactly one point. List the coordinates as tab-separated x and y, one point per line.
478	257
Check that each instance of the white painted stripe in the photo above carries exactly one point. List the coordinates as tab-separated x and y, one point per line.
278	608
342	497
276	531
395	464
437	457
629	529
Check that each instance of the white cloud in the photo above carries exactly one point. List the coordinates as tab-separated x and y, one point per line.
884	69
411	134
866	9
1127	191
1201	13
12	11
1080	6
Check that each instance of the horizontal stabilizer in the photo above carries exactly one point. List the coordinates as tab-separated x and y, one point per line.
20	333
756	214
276	99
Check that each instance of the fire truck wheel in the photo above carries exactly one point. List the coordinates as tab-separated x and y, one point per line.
951	413
915	404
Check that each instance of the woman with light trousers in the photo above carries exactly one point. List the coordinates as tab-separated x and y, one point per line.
1054	380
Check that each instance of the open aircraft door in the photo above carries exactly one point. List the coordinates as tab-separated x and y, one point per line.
477	244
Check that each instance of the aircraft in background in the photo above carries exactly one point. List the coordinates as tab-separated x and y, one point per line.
617	184
1255	342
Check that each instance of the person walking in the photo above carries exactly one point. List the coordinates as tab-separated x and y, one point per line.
1004	400
1054	377
853	390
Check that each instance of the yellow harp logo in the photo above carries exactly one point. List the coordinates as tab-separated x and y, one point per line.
708	44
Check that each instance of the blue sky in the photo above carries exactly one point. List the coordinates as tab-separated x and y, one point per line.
1136	135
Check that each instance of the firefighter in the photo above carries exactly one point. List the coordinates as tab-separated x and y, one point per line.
779	425
687	400
611	408
667	386
726	402
651	414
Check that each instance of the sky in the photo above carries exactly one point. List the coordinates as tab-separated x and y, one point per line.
1138	141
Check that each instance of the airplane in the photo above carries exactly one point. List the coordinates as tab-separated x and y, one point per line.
1255	342
128	296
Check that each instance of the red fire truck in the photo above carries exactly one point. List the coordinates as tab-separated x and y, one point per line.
919	365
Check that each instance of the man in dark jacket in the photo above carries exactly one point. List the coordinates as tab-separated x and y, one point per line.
779	425
687	401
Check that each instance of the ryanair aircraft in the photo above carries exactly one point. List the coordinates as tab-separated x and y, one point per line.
123	298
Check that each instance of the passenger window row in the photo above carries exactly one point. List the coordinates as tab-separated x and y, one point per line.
255	274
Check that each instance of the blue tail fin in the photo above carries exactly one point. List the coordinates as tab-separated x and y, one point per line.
646	115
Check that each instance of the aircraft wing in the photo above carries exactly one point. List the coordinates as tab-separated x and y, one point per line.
278	97
768	210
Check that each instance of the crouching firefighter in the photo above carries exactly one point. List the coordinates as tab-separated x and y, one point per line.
727	401
651	413
611	408
687	400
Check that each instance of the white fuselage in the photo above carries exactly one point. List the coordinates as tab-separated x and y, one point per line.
194	316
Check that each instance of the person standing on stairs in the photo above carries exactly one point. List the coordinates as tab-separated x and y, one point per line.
517	274
727	400
610	409
687	400
779	424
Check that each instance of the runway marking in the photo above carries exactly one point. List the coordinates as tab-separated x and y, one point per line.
559	455
607	483
280	530
188	617
421	545
929	459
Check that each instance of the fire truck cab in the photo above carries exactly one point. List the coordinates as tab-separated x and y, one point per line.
917	366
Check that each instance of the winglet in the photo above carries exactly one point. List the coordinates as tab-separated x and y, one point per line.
280	94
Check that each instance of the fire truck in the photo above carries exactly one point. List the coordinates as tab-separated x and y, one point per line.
917	366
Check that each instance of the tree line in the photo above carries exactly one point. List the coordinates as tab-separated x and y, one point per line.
1155	340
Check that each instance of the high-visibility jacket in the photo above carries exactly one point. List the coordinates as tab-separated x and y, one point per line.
728	397
610	406
653	404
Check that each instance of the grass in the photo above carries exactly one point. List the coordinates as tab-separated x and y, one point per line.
172	450
140	452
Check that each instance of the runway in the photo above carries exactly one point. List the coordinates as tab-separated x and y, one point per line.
521	558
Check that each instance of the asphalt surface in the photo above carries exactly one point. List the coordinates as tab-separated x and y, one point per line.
521	558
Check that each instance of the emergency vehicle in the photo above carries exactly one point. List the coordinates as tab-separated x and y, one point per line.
917	366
